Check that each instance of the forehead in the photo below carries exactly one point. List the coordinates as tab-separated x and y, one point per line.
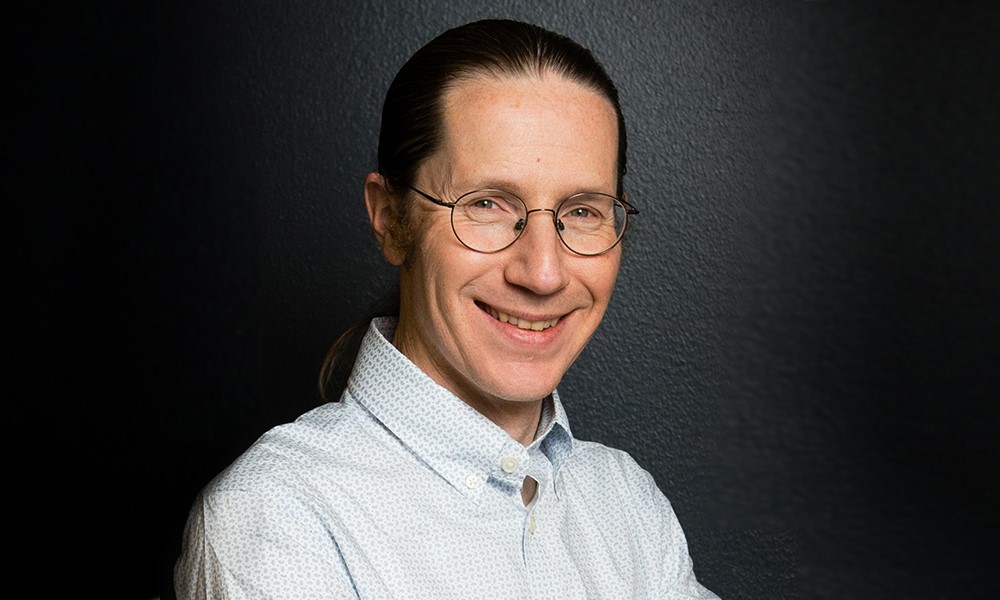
529	130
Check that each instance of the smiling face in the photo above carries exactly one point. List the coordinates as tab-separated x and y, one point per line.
500	330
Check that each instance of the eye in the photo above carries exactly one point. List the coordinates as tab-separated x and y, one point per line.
580	212
483	204
490	202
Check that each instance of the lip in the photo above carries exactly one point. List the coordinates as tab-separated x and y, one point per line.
523	327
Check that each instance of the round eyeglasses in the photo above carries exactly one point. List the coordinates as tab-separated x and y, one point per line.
589	223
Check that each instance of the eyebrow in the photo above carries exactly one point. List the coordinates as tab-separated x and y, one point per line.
496	184
518	190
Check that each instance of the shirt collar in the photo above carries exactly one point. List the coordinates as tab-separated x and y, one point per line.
554	437
451	437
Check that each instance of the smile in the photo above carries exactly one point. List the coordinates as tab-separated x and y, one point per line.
520	323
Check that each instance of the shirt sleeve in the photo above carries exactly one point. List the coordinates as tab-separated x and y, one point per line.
681	582
241	544
669	563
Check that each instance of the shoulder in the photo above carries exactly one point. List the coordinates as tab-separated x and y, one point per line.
613	466
295	457
624	501
265	520
610	480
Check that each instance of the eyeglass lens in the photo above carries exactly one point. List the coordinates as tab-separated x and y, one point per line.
491	220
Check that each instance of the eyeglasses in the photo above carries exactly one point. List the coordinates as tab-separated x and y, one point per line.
589	223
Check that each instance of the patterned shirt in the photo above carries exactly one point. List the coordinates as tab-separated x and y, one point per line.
401	490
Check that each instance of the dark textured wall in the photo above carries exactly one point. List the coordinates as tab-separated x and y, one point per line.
802	346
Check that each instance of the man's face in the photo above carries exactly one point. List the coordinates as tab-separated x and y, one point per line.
544	140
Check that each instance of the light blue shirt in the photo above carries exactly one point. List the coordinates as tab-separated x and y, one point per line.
401	490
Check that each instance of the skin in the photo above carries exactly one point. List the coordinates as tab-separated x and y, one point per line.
543	138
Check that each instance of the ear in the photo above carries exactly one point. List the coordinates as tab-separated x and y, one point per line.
384	215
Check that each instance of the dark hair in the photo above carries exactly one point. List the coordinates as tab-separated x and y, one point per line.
413	115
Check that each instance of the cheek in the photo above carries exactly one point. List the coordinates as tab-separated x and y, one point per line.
431	234
600	278
441	269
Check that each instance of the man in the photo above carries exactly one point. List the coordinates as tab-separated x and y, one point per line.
448	469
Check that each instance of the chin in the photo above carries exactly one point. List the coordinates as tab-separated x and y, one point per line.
528	387
522	397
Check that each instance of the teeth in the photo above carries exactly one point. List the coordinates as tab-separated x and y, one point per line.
523	323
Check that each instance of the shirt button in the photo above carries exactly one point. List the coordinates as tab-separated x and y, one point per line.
509	464
472	482
531	524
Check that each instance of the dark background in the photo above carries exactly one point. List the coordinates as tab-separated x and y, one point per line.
803	344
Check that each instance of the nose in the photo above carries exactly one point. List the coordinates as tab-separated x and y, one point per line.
538	257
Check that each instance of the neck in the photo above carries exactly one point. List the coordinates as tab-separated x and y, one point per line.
518	419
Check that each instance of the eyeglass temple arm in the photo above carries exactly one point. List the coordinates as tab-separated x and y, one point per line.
629	209
432	198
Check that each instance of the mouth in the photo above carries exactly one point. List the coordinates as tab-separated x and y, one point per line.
518	322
